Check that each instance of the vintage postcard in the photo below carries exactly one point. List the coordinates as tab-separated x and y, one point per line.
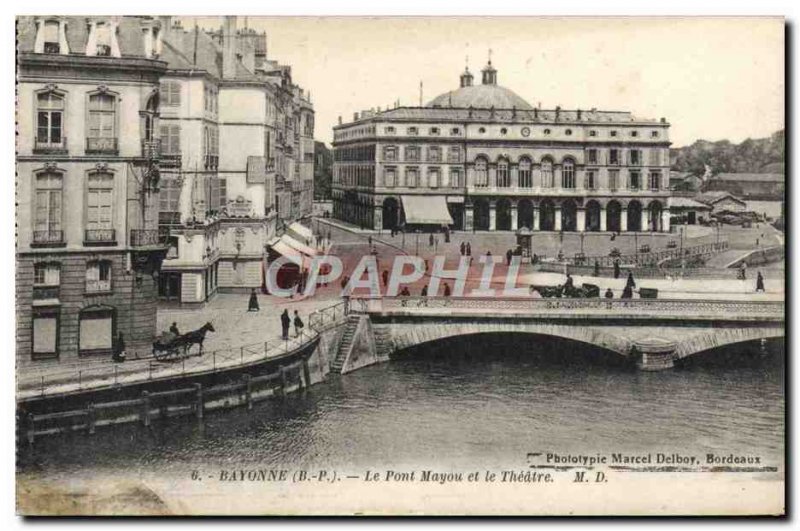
400	266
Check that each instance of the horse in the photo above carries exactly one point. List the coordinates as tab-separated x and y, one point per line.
548	292
172	344
196	337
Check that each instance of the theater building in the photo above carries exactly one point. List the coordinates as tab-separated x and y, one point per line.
482	158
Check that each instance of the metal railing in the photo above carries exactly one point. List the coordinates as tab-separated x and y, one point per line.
329	317
654	257
101	145
48	237
97	236
59	146
151	149
45	292
170	160
149	238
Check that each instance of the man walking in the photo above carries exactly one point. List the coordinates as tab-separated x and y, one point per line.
463	248
298	324
760	283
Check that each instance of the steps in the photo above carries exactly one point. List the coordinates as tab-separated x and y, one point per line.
345	343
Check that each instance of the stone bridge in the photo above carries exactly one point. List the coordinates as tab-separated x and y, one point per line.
653	332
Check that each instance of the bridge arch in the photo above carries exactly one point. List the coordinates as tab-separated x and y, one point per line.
717	338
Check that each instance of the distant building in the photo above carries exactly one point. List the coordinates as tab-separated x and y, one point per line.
323	171
88	244
684	182
482	158
687	211
721	201
750	186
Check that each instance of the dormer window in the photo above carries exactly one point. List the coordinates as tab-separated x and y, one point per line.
612	133
103	39
51	44
592	133
634	133
434	131
412	131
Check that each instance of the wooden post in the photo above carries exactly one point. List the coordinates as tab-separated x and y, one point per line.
248	391
31	428
306	373
198	408
282	371
90	418
145	408
241	355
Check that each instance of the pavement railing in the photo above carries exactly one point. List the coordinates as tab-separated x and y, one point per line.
652	257
325	318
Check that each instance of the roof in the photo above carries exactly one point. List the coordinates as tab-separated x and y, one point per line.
129	34
710	198
685	202
482	97
751	177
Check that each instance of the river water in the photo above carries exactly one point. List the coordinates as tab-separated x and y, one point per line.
472	402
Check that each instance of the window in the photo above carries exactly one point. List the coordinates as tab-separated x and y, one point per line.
103	37
482	130
547	173
635	157
102	123
433	131
454	154
592	133
51	41
171	139
49	120
412	153
412	131
171	93
634	180
655	180
45	333
390	153
98	276
503	178
434	177
389	177
434	154
634	133
525	179
590	180
613	156
96	330
168	200
455	131
412	177
568	132
612	133
546	132
655	157
568	174
591	156
653	134
503	131
481	173
389	130
613	179
99	203
47	274
47	218
456	178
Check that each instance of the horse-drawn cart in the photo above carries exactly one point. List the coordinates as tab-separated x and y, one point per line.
174	347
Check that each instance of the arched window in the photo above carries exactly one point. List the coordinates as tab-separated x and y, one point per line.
503	177
150	118
568	174
547	173
525	180
481	173
49	120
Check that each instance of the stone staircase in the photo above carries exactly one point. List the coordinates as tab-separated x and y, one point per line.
346	343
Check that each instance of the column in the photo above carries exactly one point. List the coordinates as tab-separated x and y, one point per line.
492	177
558	218
581	220
468	217
514	175
645	223
513	216
378	217
535	218
623	220
492	215
665	220
603	218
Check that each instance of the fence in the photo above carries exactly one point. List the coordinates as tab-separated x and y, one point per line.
651	258
329	317
192	400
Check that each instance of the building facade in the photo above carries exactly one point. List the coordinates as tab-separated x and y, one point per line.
88	245
237	158
481	158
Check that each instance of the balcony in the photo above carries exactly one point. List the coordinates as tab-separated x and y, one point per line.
211	162
41	293
99	237
48	238
149	238
98	286
101	145
59	146
151	149
170	160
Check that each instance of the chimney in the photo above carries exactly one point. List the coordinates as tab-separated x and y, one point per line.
229	48
580	113
340	120
166	29
355	116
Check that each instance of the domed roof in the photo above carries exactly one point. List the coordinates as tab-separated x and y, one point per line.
480	97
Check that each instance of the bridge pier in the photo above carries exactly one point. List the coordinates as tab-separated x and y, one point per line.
654	354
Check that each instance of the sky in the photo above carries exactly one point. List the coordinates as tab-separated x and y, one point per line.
712	78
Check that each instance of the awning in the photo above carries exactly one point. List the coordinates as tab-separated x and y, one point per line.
301	232
298	246
428	210
283	249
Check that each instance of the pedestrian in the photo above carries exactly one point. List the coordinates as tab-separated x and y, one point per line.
447	235
405	292
463	248
385	277
252	305
469	249
174	329
756	242
743	271
568	284
488	253
446	289
616	268
509	254
369	240
424	292
630	282
627	293
760	282
298	324
609	294
119	354
430	240
596	268
285	320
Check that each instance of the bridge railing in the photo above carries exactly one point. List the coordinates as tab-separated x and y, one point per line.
600	306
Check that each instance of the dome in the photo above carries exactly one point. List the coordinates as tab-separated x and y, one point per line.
480	97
